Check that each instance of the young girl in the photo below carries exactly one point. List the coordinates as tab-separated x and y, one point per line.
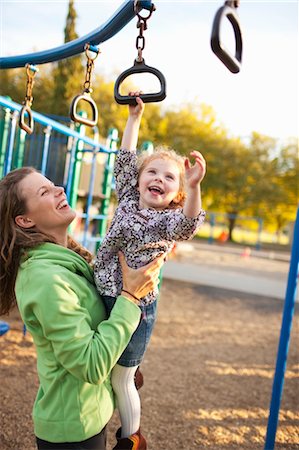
154	211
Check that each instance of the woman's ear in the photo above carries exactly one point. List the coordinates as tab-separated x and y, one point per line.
24	222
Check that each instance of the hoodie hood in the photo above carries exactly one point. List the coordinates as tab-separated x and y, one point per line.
49	253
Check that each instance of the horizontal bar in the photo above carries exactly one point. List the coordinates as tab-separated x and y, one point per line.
120	18
91	217
55	125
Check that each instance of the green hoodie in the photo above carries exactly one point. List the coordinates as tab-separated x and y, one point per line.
76	346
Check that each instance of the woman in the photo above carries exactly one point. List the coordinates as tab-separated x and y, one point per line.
50	278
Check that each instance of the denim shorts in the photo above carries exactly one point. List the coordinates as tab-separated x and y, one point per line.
135	350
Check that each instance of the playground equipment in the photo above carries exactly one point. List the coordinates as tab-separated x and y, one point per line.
31	71
140	67
57	154
228	11
86	94
89	42
4	327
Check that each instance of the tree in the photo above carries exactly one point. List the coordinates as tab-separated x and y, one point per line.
13	84
68	74
284	205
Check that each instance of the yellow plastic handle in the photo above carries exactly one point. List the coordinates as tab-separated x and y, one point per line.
22	124
76	117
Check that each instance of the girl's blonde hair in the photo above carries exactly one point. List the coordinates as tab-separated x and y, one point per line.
166	153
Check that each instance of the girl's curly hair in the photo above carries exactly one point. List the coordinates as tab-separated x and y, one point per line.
166	153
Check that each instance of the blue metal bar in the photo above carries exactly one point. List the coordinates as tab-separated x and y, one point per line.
95	216
90	196
71	169
120	18
284	340
55	125
8	162
46	149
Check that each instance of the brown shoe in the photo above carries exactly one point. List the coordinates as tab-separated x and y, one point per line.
134	442
138	379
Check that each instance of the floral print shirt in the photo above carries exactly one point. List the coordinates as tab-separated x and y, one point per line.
141	234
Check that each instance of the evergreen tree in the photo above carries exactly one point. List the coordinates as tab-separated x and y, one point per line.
69	73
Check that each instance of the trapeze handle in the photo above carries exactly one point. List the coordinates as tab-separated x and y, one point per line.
140	67
84	120
233	63
22	124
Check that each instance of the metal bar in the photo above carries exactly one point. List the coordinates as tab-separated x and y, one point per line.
90	196
94	216
19	154
284	340
120	18
68	189
8	162
46	149
73	195
55	125
4	136
107	181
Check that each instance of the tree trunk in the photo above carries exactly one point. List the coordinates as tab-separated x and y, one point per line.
232	217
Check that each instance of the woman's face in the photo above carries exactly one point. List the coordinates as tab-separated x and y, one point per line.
47	206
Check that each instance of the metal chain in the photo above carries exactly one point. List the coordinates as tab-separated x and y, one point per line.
29	86
142	25
87	83
233	3
140	40
89	69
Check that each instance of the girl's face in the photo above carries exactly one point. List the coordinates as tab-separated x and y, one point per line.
159	183
47	206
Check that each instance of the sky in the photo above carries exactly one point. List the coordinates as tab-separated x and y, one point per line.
262	97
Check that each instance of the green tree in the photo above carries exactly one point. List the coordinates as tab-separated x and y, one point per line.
282	207
13	84
68	73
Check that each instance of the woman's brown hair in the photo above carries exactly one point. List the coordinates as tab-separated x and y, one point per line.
14	239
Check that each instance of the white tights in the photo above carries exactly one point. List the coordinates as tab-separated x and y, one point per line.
128	400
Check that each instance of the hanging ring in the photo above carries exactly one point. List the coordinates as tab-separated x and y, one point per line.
85	96
140	67
22	124
232	62
84	120
31	72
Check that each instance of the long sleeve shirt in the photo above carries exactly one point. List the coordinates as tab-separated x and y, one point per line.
141	234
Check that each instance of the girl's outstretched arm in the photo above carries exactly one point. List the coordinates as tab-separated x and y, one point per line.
130	136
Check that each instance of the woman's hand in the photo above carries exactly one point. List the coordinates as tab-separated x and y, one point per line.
139	282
